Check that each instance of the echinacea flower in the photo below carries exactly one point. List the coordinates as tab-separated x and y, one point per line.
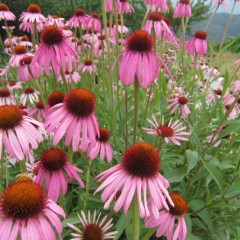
30	95
179	101
79	19
183	9
27	71
197	44
6	97
54	51
160	4
109	5
18	132
38	111
171	132
94	23
123	6
19	52
156	23
70	77
55	21
24	41
53	99
139	60
74	117
102	146
55	171
137	174
13	85
5	13
88	66
93	228
170	222
214	138
27	213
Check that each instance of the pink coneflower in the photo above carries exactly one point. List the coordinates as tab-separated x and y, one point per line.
171	223
55	98
6	97
5	13
138	173
160	4
54	170
171	132
79	18
56	50
121	27
156	23
215	137
102	146
27	71
123	6
88	66
19	52
94	23
27	213
74	117
139	60
38	111
32	16
30	95
221	2
13	85
109	5
179	102
183	9
24	41
228	100
55	20
18	132
93	229
101	43
197	44
71	77
236	85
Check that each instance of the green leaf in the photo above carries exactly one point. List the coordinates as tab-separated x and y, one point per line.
175	175
122	223
192	158
215	173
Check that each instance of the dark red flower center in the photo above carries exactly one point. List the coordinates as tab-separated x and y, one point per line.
24	39
80	102
165	131
4	92
52	35
141	160
54	16
155	16
34	8
140	41
53	159
79	43
182	100
12	83
228	106
55	98
185	1
95	15
238	100
101	37
201	35
167	21
29	90
123	1
79	12
23	199
10	117
218	92
180	204
88	62
119	22
3	7
40	105
104	135
20	50
92	231
109	24
25	60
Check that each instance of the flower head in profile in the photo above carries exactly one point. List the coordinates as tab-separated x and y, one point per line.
14	85
55	49
139	60
29	95
170	222
171	132
55	21
5	13
183	9
54	170
123	6
18	133
6	97
74	118
94	23
137	174
19	52
79	19
197	44
102	146
27	213
93	228
159	4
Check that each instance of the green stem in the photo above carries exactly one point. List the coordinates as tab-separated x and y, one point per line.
227	26
1	174
87	184
23	166
136	102
64	79
126	119
70	154
135	219
183	42
145	17
149	234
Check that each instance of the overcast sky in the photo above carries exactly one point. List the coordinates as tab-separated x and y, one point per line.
226	8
